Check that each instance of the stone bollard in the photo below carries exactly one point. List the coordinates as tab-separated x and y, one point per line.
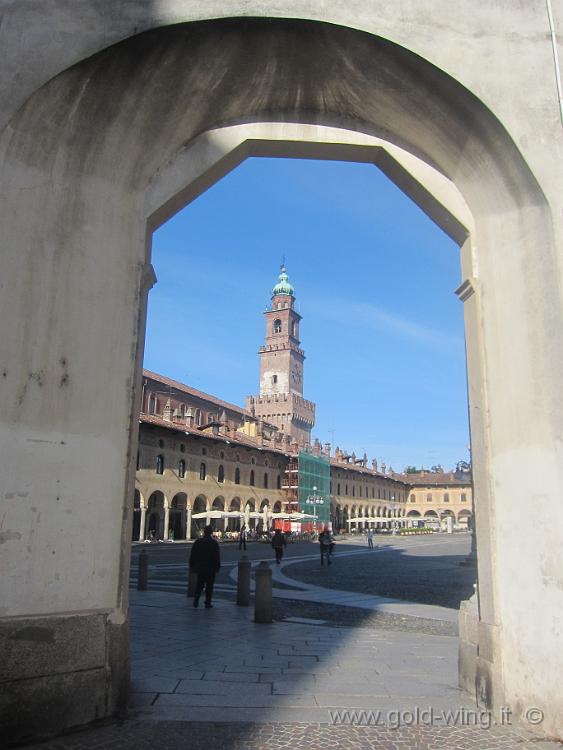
243	582
192	582
143	572
263	597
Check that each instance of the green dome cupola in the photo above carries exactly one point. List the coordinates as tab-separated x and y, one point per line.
283	286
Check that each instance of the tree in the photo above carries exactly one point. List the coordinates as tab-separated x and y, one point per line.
410	470
438	469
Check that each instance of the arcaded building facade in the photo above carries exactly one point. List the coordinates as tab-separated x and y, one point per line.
438	495
199	454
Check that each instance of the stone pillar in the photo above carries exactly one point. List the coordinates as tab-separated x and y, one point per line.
166	521
143	522
188	522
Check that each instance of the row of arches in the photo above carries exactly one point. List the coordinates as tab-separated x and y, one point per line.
161	518
386	516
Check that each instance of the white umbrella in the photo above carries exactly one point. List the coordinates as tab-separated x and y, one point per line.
265	515
209	514
246	515
383	519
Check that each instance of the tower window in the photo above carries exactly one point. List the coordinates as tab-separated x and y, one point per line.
292	328
277	326
274	379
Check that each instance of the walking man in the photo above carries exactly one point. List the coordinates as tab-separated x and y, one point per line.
326	543
370	538
278	543
242	538
205	560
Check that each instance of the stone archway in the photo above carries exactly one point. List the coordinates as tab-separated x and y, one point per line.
138	516
77	209
178	512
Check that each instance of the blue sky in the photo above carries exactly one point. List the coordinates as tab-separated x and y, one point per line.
382	329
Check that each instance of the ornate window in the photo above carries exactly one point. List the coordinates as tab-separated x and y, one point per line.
202	471
446	498
181	468
277	326
160	464
463	497
413	498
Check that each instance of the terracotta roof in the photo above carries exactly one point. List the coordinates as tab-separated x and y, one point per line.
365	470
435	479
238	439
192	391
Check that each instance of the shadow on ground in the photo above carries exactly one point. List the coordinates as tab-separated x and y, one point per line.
396	573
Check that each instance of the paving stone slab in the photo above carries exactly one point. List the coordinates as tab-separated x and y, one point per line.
201	687
242	677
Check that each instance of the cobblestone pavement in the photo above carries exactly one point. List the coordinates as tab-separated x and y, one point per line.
132	735
422	569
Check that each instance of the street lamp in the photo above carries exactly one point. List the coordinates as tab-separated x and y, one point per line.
315	500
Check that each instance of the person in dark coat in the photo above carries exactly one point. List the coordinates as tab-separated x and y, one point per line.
278	543
242	538
326	543
205	560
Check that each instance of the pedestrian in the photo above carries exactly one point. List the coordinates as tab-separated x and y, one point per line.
205	561
326	543
242	538
370	538
278	543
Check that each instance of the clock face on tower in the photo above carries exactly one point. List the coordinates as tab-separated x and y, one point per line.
296	375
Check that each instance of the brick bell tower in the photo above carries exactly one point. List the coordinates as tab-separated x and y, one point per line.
281	399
